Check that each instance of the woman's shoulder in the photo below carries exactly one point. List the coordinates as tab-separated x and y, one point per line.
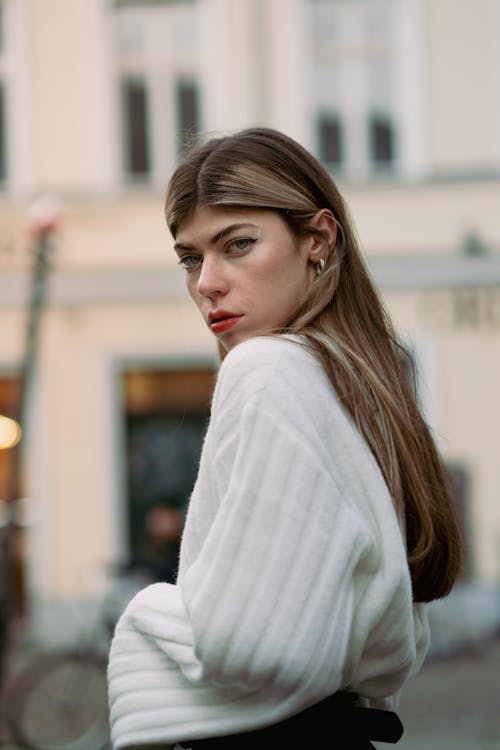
260	358
262	351
270	366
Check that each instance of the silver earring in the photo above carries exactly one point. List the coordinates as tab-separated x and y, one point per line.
320	266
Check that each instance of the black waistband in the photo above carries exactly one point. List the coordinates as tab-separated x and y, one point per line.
337	716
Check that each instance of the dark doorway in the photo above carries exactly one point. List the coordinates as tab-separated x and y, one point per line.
166	418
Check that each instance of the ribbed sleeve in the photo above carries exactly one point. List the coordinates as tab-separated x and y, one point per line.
293	579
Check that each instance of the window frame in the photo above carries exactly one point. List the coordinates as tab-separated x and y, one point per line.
349	59
160	69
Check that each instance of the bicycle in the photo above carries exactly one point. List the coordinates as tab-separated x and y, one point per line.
58	701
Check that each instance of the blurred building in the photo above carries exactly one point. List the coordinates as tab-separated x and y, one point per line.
400	99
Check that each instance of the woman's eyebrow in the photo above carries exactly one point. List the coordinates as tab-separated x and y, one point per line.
230	228
182	246
217	237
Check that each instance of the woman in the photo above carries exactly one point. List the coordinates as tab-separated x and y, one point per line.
320	523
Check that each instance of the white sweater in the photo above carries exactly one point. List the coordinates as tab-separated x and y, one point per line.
293	578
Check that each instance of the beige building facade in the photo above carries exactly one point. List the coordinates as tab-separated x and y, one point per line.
401	101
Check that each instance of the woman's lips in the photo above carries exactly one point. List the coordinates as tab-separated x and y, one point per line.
221	323
224	324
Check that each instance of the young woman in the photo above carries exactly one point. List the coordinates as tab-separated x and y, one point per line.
320	523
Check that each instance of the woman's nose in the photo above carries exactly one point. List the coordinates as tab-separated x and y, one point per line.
212	279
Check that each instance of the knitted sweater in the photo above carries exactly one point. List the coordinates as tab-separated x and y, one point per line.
293	579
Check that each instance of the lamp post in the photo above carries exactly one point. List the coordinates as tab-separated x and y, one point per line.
43	217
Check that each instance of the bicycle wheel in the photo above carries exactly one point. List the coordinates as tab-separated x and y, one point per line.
59	702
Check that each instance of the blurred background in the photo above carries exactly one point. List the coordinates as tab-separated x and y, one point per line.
106	368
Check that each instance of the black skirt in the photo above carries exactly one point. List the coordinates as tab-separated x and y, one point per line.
337	722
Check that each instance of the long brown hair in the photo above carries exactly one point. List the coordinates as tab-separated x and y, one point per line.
345	324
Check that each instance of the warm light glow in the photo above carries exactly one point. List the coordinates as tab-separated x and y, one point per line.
10	432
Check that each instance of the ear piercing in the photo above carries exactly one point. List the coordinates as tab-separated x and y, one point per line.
320	266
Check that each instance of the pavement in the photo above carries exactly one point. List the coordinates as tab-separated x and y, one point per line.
452	704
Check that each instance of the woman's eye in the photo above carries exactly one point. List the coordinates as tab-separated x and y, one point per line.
241	244
189	262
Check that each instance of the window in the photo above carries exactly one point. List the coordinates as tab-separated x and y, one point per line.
17	162
381	140
408	359
136	132
355	56
187	109
159	105
460	484
3	154
330	139
3	133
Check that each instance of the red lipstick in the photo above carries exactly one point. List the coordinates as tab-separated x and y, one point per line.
221	321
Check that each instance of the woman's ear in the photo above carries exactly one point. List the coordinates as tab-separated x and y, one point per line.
323	240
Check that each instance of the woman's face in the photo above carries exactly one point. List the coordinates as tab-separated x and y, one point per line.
245	270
